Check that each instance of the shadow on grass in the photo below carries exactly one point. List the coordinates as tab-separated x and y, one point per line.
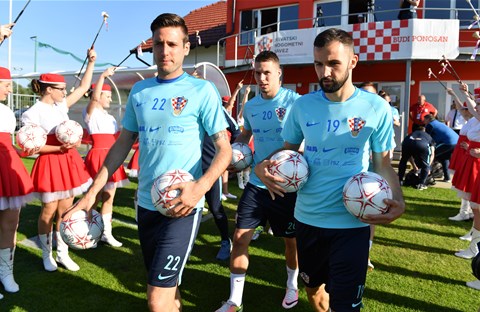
406	302
411	246
418	275
421	230
65	291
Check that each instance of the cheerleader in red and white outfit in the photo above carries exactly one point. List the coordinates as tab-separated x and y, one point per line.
59	173
15	186
102	128
457	160
469	183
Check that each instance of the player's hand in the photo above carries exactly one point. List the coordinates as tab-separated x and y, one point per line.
5	31
475	152
240	85
450	91
464	145
27	152
395	210
270	181
231	168
85	203
182	206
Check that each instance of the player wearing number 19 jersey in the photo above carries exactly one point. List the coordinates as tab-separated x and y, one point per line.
341	126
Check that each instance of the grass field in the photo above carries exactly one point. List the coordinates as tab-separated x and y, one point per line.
415	269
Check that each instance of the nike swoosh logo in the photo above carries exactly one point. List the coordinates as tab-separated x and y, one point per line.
289	232
153	129
161	278
354	305
139	104
326	150
265	131
310	124
253	115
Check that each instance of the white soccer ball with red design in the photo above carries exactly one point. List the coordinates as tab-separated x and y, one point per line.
80	233
69	132
31	137
160	196
363	194
292	167
242	156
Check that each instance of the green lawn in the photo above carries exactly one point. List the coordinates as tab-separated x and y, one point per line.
415	269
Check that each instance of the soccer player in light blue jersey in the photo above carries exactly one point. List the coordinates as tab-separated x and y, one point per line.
264	117
340	125
169	114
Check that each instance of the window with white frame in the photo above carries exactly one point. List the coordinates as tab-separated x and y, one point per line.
267	20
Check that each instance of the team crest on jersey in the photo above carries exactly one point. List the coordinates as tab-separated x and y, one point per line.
280	111
178	104
356	124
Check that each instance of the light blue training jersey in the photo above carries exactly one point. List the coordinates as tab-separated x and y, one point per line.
265	118
338	139
171	118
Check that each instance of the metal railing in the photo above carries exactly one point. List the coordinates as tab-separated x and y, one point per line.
319	21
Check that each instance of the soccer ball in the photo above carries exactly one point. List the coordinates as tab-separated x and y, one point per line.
292	167
31	137
69	132
364	193
80	233
159	196
242	156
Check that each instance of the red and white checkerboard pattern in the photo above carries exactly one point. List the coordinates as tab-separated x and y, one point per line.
373	41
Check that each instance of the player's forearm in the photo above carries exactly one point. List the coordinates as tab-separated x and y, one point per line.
115	158
222	159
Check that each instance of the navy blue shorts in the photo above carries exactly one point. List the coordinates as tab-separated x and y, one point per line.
256	205
337	258
166	244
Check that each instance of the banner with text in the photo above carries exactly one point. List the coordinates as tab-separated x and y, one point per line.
376	41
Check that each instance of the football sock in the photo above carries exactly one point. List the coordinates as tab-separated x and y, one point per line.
370	243
237	281
292	281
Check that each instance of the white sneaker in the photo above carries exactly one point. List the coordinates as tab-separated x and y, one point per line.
224	197
231	196
241	186
467	237
291	298
466	253
270	231
474	284
461	216
370	265
230	307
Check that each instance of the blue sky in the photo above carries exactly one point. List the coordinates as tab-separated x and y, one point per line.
72	25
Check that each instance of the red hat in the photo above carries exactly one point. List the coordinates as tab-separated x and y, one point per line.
225	98
476	91
105	87
52	79
5	74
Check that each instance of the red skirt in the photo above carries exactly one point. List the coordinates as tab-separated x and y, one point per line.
468	173
133	164
459	154
96	156
60	175
16	187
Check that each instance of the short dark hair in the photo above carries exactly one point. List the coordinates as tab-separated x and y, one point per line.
170	20
331	35
266	56
429	117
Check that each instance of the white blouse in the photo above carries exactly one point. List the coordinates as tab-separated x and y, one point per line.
7	119
45	115
100	121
